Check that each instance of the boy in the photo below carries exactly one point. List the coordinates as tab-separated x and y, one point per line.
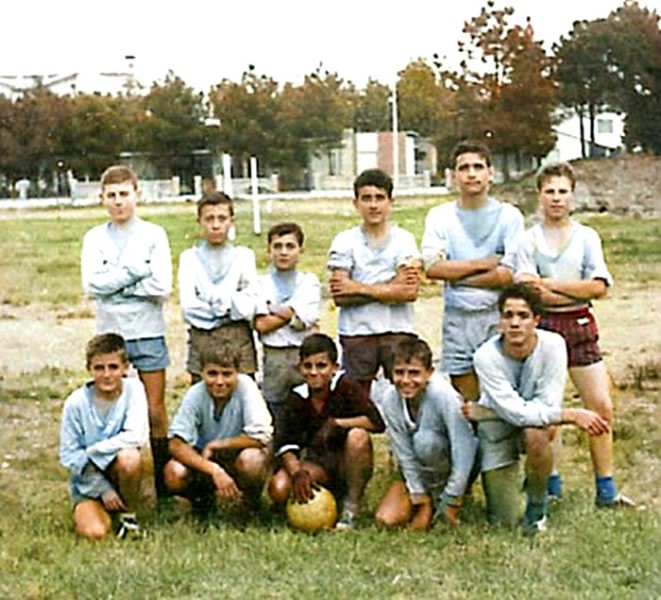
127	269
522	375
564	261
374	279
220	436
431	440
217	289
287	311
324	435
469	244
104	425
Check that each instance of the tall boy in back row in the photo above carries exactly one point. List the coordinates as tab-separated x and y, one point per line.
374	276
126	268
564	261
469	244
287	311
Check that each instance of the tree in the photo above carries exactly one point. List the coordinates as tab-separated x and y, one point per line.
248	113
504	89
372	108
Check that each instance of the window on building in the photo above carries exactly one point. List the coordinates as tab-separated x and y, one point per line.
604	125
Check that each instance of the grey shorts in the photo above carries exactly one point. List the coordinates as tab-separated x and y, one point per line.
148	354
500	443
238	335
463	333
279	373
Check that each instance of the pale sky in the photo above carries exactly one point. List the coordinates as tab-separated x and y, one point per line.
205	41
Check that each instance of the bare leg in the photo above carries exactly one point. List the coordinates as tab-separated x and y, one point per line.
252	466
395	508
127	471
91	520
357	465
467	385
593	386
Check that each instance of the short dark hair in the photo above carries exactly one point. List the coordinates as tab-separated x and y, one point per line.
280	229
560	169
215	199
525	292
471	146
105	343
412	348
219	353
375	177
119	174
316	344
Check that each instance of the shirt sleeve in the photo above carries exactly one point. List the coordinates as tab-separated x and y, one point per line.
195	303
524	256
186	422
434	241
463	443
158	284
306	300
73	452
400	442
99	278
513	233
257	418
339	254
594	265
243	300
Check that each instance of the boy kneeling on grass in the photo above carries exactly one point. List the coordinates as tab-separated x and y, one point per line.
104	425
432	442
220	437
324	434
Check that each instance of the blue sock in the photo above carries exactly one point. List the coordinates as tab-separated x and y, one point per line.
535	508
606	490
554	485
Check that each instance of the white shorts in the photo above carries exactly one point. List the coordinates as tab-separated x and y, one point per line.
463	333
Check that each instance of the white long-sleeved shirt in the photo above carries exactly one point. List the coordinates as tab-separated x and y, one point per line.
91	439
217	285
302	293
439	413
127	270
524	393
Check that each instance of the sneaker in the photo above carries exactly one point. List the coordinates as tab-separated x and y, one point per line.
347	520
532	528
128	527
620	501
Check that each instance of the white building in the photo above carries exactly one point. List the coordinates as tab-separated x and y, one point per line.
609	137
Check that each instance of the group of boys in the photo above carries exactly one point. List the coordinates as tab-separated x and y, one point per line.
309	422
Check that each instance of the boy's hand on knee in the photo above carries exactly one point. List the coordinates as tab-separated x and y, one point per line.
112	501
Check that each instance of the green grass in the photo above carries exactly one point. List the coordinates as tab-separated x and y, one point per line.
585	554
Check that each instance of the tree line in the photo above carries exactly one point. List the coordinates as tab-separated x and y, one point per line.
507	89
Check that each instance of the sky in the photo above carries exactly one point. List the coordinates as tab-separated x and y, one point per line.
205	41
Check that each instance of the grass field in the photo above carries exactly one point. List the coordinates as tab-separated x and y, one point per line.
585	554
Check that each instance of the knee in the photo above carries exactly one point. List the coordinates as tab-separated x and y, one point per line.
385	516
279	487
174	475
537	442
358	442
92	531
129	462
253	463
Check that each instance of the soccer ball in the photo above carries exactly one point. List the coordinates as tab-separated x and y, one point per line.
314	515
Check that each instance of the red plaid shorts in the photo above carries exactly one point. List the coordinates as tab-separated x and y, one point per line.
579	328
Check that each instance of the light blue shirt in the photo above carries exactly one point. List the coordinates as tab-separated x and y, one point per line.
524	393
352	251
439	413
89	437
197	423
455	233
127	270
217	284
